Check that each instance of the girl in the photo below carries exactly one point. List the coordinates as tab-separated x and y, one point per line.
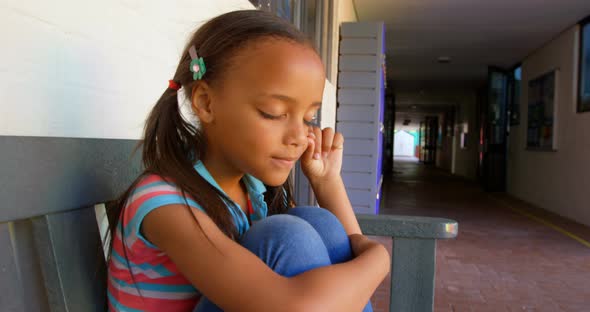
211	225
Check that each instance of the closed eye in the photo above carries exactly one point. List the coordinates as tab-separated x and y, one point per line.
313	122
269	116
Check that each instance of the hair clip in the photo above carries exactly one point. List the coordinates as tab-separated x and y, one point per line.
197	64
173	85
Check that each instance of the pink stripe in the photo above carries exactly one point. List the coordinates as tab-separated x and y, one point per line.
132	208
152	304
150	179
139	253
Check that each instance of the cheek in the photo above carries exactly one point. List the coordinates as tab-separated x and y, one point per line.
251	134
262	135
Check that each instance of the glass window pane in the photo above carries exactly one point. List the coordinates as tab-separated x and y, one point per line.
515	100
282	8
541	112
497	107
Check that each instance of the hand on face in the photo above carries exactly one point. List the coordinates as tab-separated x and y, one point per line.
322	160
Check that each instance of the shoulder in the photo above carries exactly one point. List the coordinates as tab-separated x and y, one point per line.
154	190
151	192
152	185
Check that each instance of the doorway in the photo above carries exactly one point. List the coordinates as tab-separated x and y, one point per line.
493	132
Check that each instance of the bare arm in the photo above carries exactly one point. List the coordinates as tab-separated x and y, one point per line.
217	269
322	163
332	196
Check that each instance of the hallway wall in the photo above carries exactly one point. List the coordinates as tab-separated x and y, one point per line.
557	181
438	97
444	151
342	11
465	159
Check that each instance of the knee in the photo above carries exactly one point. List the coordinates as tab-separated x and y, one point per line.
287	244
282	227
330	230
313	213
319	218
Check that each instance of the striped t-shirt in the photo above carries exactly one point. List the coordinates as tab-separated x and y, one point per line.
161	286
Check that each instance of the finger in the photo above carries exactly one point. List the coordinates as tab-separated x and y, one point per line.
308	154
318	142
338	142
327	138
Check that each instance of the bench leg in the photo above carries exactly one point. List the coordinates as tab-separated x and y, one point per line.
412	279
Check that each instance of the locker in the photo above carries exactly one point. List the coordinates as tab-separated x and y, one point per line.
360	111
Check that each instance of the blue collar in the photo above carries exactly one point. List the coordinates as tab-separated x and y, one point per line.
256	190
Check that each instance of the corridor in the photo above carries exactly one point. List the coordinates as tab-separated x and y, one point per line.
508	255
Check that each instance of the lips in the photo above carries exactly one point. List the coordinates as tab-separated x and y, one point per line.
287	158
286	162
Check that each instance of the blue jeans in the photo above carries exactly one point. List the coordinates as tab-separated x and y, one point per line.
302	239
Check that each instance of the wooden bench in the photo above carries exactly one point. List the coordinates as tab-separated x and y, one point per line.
51	256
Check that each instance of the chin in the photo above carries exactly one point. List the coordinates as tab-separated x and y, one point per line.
275	180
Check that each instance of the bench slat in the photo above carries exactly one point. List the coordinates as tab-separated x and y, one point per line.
49	175
71	260
412	274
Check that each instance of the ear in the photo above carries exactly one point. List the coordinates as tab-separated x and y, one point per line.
201	102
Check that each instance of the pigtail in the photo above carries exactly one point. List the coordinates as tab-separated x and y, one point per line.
168	138
171	147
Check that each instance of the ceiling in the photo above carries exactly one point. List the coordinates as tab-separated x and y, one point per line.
414	105
474	33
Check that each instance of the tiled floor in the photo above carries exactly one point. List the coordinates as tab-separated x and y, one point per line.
502	260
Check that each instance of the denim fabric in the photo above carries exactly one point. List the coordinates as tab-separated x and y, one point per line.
303	239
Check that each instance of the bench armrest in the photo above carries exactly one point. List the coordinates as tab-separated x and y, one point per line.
413	259
407	226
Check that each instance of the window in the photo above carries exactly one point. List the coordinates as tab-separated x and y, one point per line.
282	8
514	94
541	112
312	17
584	70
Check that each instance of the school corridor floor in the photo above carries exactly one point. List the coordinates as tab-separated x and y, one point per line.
508	256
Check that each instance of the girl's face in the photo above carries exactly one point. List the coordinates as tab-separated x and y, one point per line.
263	107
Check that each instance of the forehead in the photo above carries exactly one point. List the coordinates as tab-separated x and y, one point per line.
278	66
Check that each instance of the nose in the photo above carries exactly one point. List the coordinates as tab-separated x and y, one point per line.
296	133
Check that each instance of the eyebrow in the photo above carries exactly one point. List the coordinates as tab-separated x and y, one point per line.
289	99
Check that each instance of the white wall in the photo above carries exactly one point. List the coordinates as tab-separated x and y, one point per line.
444	153
342	11
404	144
557	181
91	68
328	109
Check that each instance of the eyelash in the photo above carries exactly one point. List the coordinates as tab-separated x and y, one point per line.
312	123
